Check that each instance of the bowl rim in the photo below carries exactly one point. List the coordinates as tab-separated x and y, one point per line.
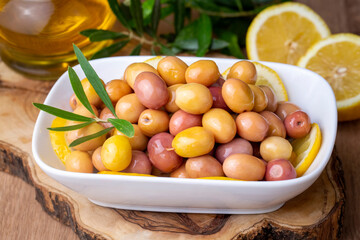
106	177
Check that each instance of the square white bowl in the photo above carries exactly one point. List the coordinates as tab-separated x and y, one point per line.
305	88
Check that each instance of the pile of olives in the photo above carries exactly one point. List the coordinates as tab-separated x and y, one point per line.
191	123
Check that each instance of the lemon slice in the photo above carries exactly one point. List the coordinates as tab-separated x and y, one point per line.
283	33
125	174
337	59
154	61
58	141
268	77
306	149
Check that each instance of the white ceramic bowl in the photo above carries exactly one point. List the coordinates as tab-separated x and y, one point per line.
305	88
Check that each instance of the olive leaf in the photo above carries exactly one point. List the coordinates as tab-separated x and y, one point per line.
79	90
204	35
62	113
155	16
136	13
115	8
179	15
136	50
110	50
72	127
94	79
89	137
123	126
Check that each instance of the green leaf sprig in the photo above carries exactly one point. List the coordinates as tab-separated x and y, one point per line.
221	26
120	124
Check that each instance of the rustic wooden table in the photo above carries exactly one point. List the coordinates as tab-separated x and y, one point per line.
23	218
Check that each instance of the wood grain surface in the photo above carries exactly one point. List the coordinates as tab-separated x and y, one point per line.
21	215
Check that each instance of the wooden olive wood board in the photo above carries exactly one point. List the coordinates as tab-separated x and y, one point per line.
315	214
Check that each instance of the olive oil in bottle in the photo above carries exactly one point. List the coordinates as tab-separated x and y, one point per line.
37	35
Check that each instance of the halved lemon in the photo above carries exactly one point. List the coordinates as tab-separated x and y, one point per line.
267	76
283	33
58	141
306	149
337	59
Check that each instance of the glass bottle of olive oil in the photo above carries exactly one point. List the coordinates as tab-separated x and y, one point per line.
36	35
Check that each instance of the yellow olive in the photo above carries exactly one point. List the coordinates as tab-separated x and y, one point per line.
116	89
90	93
204	72
153	121
221	124
193	142
81	110
129	108
85	131
237	95
275	147
172	70
116	153
134	69
194	98
260	98
171	105
244	71
244	167
252	126
96	160
78	161
138	141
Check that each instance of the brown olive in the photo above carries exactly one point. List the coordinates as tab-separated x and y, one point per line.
220	123
151	90
193	98
180	172
237	95
244	167
72	101
204	72
90	93
171	105
237	145
116	89
105	114
85	131
218	100
271	97
78	161
172	70
182	120
275	147
260	98
129	108
244	71
279	169
252	126
297	124
139	141
203	166
276	126
161	153
140	163
285	108
134	69
153	121
96	160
